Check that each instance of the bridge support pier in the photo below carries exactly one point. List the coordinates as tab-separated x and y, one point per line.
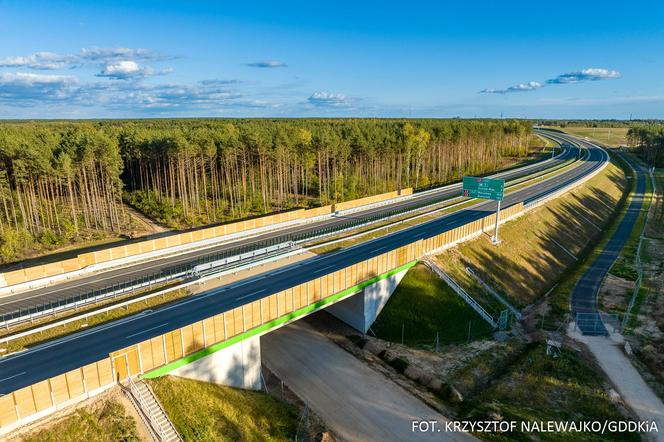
236	366
361	309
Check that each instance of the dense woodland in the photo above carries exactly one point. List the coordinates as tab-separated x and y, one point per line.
650	141
60	181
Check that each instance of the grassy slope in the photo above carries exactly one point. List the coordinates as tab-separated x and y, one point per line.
104	422
209	412
537	387
528	262
424	304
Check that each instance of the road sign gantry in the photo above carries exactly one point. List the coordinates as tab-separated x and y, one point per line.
485	188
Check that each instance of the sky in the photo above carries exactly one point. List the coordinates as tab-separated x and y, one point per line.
515	59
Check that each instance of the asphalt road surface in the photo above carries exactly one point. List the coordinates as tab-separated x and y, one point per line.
356	402
584	295
68	289
58	356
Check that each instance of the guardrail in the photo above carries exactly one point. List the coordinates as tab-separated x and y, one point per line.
193	270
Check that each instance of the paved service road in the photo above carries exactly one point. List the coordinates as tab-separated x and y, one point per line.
356	402
584	296
81	286
58	356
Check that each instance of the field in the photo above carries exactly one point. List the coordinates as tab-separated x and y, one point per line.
424	305
609	136
537	248
207	412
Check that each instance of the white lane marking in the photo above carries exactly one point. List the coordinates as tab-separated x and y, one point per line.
251	294
146	330
12	377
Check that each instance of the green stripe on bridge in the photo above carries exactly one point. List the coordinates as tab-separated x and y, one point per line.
160	371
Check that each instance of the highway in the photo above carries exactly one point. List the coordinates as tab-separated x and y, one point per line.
79	286
584	295
56	357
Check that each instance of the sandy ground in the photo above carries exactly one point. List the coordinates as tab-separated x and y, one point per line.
358	403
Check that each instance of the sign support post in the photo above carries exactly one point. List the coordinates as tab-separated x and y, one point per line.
494	238
485	188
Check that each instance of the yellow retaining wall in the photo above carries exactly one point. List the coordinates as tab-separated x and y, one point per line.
371	199
86	259
55	392
161	350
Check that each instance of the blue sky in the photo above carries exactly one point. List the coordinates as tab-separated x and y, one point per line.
262	59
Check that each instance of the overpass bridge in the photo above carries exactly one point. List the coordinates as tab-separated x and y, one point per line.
227	319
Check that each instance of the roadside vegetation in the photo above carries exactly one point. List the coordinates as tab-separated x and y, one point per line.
536	387
103	421
64	182
423	306
203	411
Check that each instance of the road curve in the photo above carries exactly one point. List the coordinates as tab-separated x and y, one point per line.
56	357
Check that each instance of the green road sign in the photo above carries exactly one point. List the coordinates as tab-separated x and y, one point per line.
487	188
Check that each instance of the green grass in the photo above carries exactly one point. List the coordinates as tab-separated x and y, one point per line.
655	228
207	412
537	387
425	305
609	136
105	422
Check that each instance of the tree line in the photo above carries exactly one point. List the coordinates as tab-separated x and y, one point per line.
60	180
650	141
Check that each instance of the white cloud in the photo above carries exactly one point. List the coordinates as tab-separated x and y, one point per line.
29	87
121	70
521	87
322	98
590	74
39	60
115	62
268	64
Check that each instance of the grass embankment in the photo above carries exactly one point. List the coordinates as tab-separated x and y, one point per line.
86	323
536	387
609	136
207	412
536	249
424	305
105	421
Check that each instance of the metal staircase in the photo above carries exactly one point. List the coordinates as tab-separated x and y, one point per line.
151	411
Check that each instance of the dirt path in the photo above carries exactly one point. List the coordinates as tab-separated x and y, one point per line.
356	402
149	225
627	380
